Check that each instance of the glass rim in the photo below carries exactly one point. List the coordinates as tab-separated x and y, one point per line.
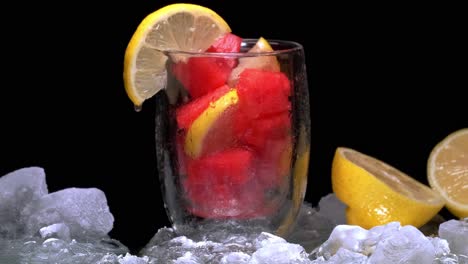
290	46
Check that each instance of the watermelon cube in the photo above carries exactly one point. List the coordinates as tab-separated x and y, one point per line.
263	93
215	184
273	162
201	75
259	132
226	43
228	167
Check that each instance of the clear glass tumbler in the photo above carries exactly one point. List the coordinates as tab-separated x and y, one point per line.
233	136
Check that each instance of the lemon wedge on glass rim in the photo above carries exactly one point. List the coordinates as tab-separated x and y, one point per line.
182	27
377	193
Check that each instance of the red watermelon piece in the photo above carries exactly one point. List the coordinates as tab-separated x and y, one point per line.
201	75
215	184
227	43
212	201
228	167
259	132
273	162
263	93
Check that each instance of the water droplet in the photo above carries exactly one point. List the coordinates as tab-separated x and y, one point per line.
137	108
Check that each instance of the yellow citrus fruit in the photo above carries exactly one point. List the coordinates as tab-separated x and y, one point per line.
377	193
264	62
447	171
182	27
204	122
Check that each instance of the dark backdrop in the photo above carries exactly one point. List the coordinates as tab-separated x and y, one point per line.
386	80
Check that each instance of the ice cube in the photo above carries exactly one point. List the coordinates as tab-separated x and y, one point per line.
448	259
441	246
18	189
130	259
235	257
279	253
332	208
59	230
83	210
311	228
456	233
349	237
407	245
344	256
265	239
52	250
168	247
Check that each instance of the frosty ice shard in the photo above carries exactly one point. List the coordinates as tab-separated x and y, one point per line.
456	233
83	210
68	227
18	189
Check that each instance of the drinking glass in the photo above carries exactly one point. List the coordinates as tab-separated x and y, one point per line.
233	137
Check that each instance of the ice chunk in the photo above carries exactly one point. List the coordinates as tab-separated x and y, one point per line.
407	245
311	228
388	243
456	233
235	257
377	234
168	247
18	189
331	208
59	230
451	259
441	246
264	239
280	253
344	255
184	250
83	210
53	250
130	259
343	236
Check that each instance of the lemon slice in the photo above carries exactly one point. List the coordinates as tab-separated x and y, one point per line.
201	125
183	27
447	171
377	193
264	62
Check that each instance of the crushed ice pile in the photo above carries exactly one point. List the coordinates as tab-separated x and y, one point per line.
72	226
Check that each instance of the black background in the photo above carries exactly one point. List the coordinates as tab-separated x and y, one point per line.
386	80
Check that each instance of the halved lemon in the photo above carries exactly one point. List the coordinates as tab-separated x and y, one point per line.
377	193
183	27
264	62
447	171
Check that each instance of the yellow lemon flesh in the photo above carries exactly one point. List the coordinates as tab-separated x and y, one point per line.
201	125
264	62
447	171
181	27
377	193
